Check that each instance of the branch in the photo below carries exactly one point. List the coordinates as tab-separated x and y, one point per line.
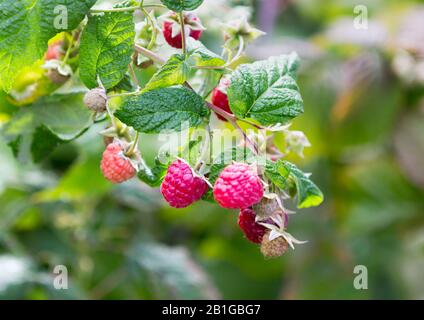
149	54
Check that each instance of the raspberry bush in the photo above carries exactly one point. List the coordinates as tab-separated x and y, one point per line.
93	66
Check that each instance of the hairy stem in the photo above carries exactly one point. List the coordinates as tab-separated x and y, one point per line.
149	54
134	8
183	34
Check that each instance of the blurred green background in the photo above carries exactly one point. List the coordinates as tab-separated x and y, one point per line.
364	115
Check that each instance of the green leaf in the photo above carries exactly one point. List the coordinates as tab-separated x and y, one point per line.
175	273
70	187
235	154
43	142
205	81
107	44
25	28
277	173
36	130
202	56
163	109
283	174
182	5
266	90
153	176
175	71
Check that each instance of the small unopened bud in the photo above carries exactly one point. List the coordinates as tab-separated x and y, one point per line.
96	99
273	248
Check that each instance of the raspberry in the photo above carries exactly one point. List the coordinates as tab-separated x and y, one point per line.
251	229
220	98
96	99
191	22
116	167
273	248
238	187
180	187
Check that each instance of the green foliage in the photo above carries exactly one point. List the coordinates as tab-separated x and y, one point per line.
163	109
283	173
180	5
153	176
36	130
106	47
173	271
266	90
175	71
27	26
202	56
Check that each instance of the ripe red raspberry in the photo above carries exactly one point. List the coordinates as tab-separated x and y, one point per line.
220	98
238	187
176	41
251	229
180	187
116	167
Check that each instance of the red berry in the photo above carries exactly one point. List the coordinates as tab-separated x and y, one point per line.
251	229
238	187
176	40
180	187
116	167
220	98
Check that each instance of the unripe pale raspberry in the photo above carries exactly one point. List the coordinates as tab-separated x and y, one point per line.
251	229
220	98
237	187
96	99
180	187
273	248
116	167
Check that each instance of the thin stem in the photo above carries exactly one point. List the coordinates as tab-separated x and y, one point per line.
124	94
183	34
249	142
134	8
154	29
114	10
68	51
134	145
233	120
149	54
205	148
228	116
239	52
134	76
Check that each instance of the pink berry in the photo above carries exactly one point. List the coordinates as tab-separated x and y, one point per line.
251	229
176	41
220	98
180	187
238	187
54	51
116	167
